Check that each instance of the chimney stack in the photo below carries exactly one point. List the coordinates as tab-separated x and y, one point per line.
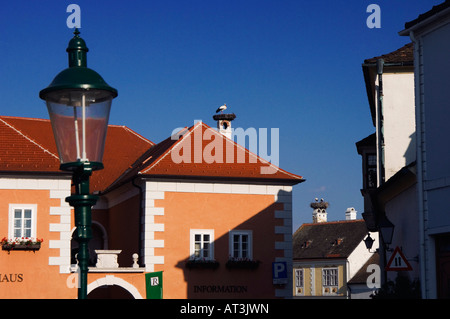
224	121
319	211
350	214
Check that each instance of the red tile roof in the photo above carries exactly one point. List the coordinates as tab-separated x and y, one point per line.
122	147
403	55
28	145
195	157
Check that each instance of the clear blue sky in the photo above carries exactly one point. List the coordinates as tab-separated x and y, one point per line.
288	64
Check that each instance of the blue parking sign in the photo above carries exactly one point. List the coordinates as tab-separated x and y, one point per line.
279	273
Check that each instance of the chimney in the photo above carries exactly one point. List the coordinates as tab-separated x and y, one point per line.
224	121
319	211
350	214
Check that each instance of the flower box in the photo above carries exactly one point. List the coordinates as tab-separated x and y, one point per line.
33	247
202	264
21	244
242	264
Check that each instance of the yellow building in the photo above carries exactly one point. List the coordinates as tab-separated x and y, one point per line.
327	255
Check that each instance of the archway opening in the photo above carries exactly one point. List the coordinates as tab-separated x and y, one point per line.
109	292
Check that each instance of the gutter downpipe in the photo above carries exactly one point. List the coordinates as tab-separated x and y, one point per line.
381	175
381	156
420	174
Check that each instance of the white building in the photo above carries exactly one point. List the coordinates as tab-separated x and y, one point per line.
430	33
331	260
389	83
413	175
388	155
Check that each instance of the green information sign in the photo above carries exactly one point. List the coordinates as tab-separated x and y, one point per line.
154	285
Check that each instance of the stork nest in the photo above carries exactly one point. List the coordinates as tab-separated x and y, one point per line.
228	117
316	205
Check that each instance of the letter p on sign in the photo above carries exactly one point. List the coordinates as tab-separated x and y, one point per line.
279	273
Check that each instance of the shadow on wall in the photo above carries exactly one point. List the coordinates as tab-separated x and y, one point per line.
410	153
242	263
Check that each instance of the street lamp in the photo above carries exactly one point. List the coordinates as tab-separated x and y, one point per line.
387	231
368	241
78	101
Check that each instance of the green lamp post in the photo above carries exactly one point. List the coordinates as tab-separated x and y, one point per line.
79	101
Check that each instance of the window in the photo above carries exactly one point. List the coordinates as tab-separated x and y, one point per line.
330	280
22	221
298	282
241	244
371	171
202	244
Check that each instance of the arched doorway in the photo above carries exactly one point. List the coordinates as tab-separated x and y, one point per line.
111	287
110	292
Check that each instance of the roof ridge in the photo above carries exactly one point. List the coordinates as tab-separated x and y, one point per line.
47	120
172	147
262	160
137	164
137	135
201	124
28	138
23	118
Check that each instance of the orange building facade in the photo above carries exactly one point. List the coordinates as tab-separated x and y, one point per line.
212	228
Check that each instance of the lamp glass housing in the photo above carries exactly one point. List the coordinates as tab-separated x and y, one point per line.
80	121
368	241
387	230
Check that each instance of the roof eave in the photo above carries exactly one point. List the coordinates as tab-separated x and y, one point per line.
218	179
426	19
370	90
249	180
35	173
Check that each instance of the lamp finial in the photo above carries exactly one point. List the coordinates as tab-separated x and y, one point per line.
77	50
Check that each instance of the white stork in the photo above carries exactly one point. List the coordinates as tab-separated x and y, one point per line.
222	108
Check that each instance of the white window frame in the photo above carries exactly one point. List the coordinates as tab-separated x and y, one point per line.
23	207
330	282
299	281
192	251
241	233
